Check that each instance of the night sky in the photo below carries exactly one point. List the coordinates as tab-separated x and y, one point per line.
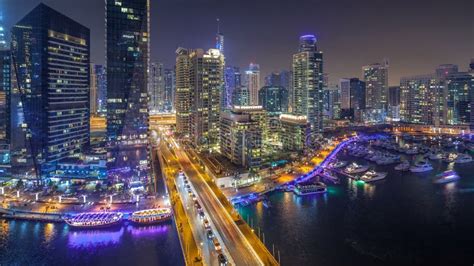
416	35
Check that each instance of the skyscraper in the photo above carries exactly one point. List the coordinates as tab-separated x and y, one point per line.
127	45
93	90
183	92
219	38
375	77
252	80
5	92
51	55
156	88
232	79
352	99
274	99
308	83
101	77
207	81
170	89
459	89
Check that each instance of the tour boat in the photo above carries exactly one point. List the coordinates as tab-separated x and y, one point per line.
436	156
151	216
355	168
463	158
371	176
93	219
404	166
310	188
421	166
446	177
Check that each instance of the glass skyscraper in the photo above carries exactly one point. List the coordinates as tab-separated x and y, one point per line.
308	83
127	44
51	55
5	92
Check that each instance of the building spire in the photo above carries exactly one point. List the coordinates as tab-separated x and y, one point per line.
219	37
218	29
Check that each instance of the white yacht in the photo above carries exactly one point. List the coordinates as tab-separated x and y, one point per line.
355	168
435	156
339	164
451	157
421	166
463	158
371	176
446	177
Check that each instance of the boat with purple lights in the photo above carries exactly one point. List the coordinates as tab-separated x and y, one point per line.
151	216
446	177
93	219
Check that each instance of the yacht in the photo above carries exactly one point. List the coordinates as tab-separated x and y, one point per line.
151	216
371	176
310	188
404	166
463	158
355	168
421	166
446	177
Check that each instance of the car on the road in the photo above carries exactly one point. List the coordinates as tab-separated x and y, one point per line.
209	234
186	182
201	215
217	245
222	259
190	192
194	197
206	223
198	206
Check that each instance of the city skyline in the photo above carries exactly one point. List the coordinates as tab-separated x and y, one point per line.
340	37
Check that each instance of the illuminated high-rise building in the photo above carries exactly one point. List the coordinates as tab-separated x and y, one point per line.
459	89
5	110
232	78
375	77
206	80
51	55
252	82
156	88
219	38
274	99
183	92
93	90
101	77
170	89
308	83
420	99
127	50
352	99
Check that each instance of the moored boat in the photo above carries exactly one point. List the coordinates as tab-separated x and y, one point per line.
463	158
371	176
355	168
151	216
93	219
421	166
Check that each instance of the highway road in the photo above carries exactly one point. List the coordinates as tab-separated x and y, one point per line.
238	246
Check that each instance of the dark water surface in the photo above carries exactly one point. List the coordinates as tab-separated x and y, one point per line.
402	220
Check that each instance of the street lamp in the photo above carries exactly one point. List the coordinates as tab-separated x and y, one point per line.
84	198
17	193
111	199
60	199
3	190
37	196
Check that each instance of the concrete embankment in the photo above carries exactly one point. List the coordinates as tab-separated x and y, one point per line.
31	216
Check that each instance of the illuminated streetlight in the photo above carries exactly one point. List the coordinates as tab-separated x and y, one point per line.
3	190
37	196
17	193
84	198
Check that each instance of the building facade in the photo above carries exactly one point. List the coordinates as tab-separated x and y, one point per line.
274	99
51	53
183	97
170	90
233	81
375	77
308	83
294	132
241	136
93	90
101	78
5	106
459	90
